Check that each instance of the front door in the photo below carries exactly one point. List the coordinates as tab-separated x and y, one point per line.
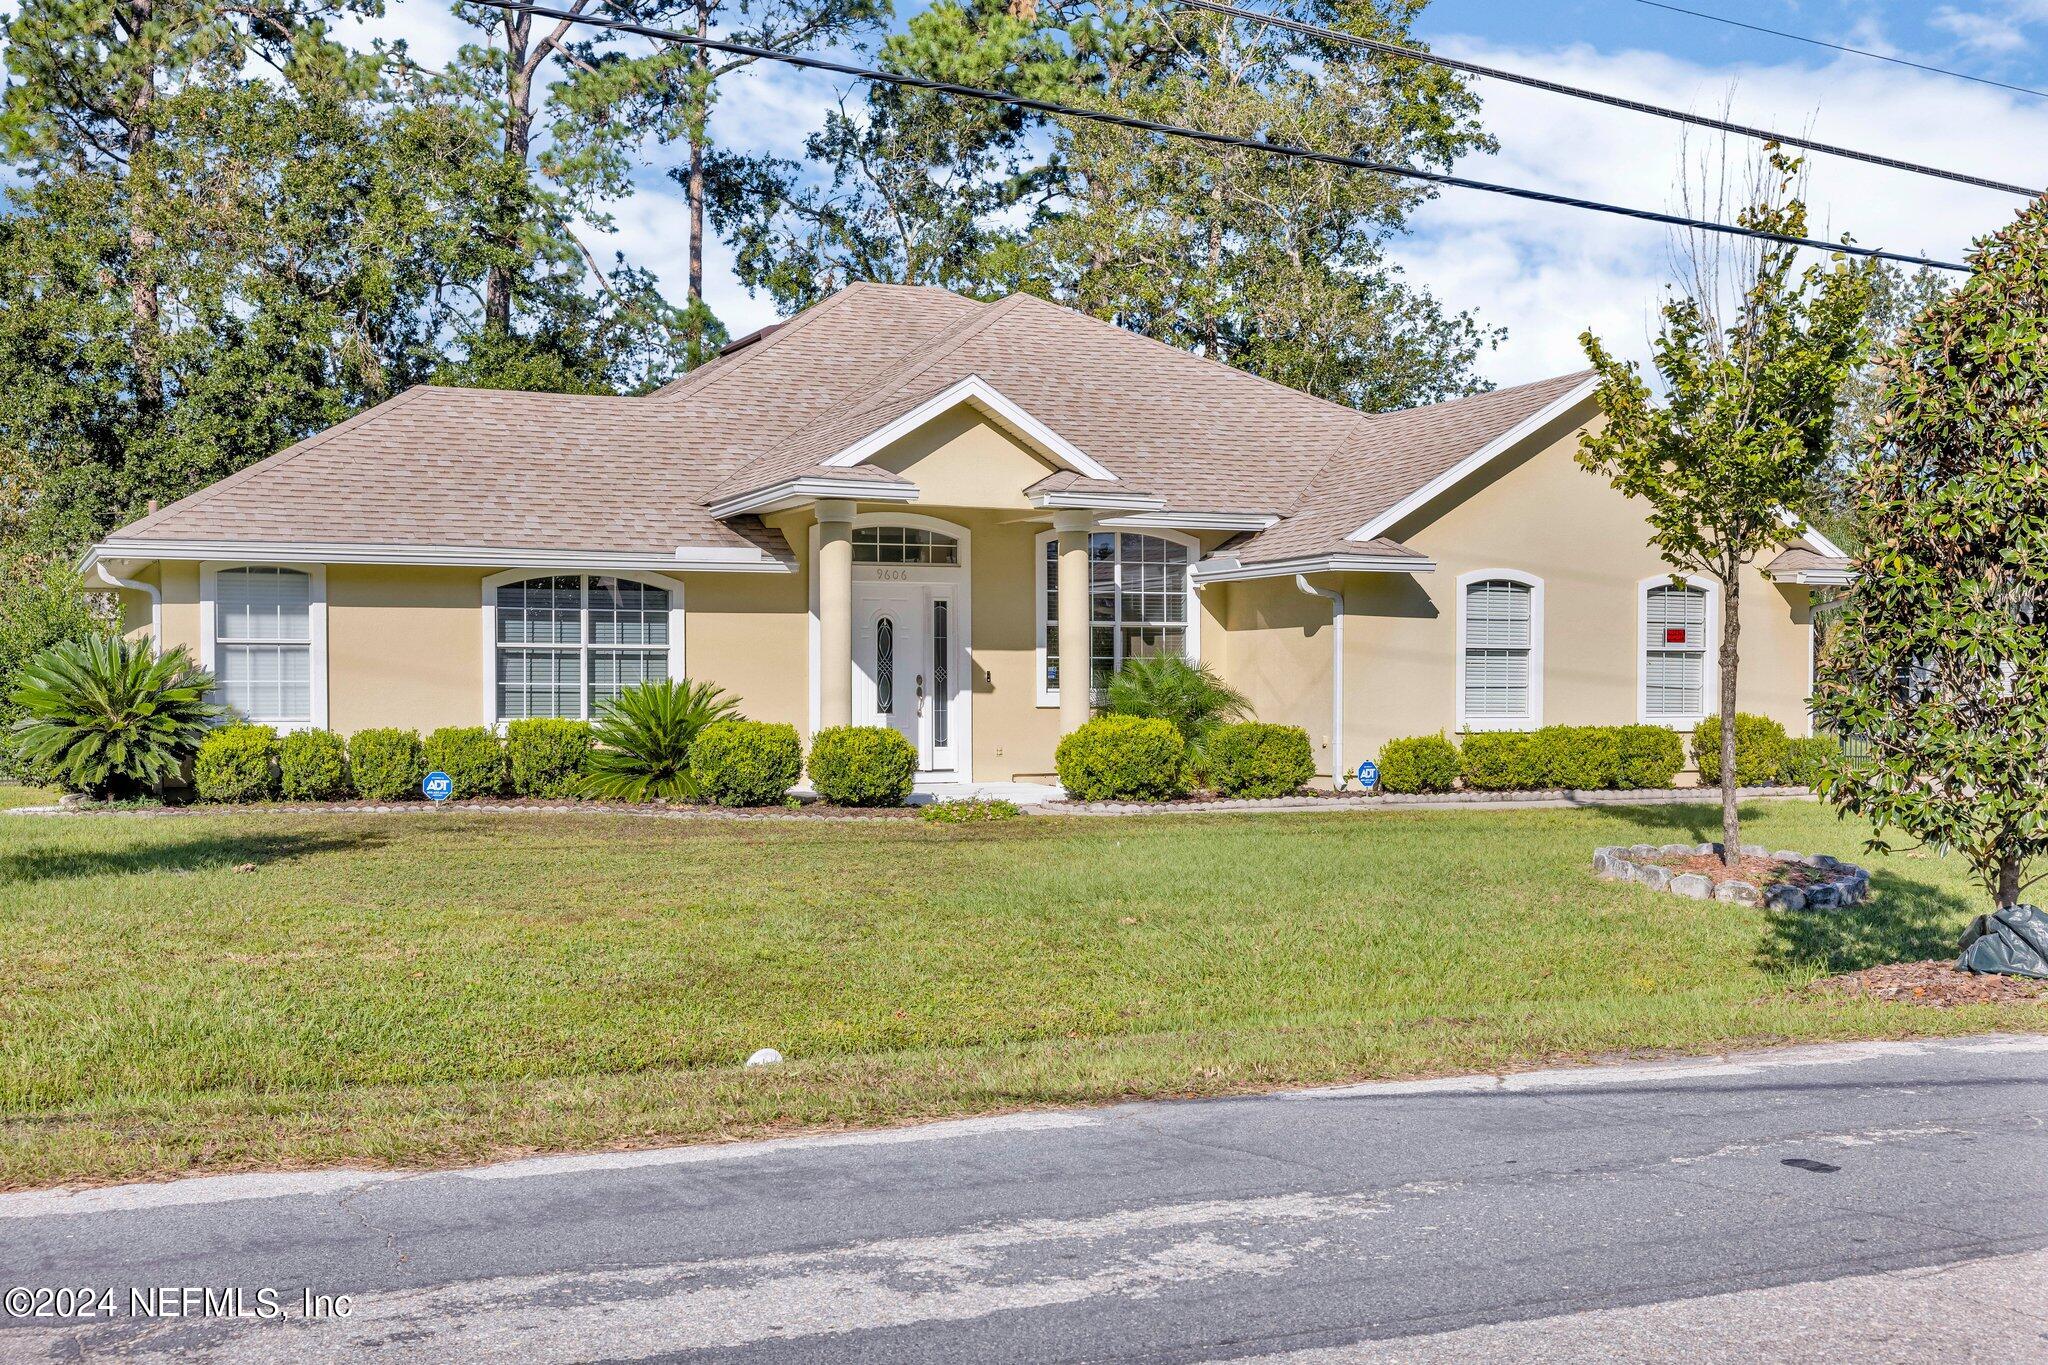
905	642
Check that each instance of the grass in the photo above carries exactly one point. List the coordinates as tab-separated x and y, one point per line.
11	796
223	991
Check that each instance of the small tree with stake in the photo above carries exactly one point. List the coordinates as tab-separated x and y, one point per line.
1943	657
1743	433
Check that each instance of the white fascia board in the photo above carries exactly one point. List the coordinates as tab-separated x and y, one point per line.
778	497
1196	521
1476	461
1226	570
1098	501
982	394
1819	578
1810	535
707	559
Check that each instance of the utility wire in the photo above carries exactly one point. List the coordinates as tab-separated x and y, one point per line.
1597	97
1142	125
1838	47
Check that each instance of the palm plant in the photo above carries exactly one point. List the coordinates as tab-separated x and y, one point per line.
1167	686
643	740
105	717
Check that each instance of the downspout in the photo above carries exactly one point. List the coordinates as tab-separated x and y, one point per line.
156	602
1338	772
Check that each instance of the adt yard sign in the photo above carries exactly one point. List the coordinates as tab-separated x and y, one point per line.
1368	774
438	786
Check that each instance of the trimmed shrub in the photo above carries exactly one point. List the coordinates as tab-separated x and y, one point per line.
1122	758
386	765
867	765
1650	756
546	756
974	812
471	755
1808	759
312	765
746	762
1253	759
1497	761
1585	757
1424	763
237	763
1759	750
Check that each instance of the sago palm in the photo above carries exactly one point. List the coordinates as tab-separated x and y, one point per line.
1167	686
643	740
104	717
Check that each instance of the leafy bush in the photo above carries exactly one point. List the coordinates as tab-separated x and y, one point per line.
1759	749
1190	696
1122	758
312	766
100	716
1585	757
1808	759
643	740
746	762
974	812
546	756
386	765
1650	757
1424	763
863	765
42	603
1252	759
471	755
237	763
1498	761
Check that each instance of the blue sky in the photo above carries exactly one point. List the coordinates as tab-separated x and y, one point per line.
1548	273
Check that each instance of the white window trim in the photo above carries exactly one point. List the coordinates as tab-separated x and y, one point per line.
1050	696
1534	719
1710	684
316	627
491	584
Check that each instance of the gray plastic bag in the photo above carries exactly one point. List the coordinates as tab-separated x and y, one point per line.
2008	942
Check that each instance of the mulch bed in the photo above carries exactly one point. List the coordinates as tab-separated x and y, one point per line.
1932	983
1757	871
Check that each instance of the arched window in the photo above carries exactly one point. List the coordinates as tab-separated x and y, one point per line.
903	545
1138	605
1500	655
1676	620
565	644
262	643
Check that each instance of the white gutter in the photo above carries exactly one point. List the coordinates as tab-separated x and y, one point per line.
696	559
1335	596
156	600
1093	500
1227	569
780	497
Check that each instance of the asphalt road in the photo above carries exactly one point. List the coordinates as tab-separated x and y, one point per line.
1870	1202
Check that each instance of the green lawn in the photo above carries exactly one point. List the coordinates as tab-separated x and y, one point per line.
25	796
419	989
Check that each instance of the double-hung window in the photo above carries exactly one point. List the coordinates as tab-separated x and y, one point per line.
1674	663
1138	605
1500	659
263	624
565	644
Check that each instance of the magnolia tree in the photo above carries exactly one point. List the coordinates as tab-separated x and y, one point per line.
1942	659
1742	434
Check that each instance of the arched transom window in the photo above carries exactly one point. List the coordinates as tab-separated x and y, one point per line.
567	643
903	545
1137	604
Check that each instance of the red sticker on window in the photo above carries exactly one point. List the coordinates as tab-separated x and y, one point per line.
1674	635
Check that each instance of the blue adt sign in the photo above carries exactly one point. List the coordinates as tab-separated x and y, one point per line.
438	786
1368	774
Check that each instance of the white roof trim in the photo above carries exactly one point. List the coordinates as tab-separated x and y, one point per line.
982	394
1811	536
1476	461
1196	521
1108	502
1225	569
777	497
702	559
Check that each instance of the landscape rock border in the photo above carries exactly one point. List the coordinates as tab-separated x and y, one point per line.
1845	883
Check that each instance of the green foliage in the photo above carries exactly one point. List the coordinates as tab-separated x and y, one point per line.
237	763
1192	697
1942	659
546	755
862	765
42	603
1256	760
1759	749
1580	757
1809	759
1498	761
471	755
1649	758
104	717
746	762
975	812
313	766
1122	758
1423	763
386	765
643	740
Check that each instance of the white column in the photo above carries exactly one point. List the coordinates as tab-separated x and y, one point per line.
1073	528
835	613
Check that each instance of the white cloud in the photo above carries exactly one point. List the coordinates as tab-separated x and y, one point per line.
1986	33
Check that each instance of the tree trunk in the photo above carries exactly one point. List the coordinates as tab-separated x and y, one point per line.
518	146
145	306
700	120
2008	881
1731	630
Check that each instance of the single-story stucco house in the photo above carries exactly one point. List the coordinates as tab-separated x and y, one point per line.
903	507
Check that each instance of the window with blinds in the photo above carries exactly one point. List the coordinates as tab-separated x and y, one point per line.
1674	654
1138	604
1498	635
263	644
569	643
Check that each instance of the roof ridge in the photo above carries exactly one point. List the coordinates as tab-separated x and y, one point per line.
710	372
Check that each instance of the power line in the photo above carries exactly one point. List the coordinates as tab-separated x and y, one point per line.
1143	125
1597	97
1838	47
